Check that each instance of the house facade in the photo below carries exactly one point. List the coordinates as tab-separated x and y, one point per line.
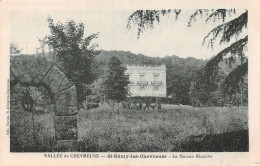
147	80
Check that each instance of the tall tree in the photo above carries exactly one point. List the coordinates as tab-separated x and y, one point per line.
116	82
224	33
74	52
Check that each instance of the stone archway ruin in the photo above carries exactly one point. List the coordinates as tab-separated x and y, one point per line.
38	71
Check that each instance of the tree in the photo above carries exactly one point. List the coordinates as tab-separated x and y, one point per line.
14	49
237	83
43	43
179	75
116	82
224	32
74	53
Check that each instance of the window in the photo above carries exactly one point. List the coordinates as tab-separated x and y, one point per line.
142	87
128	74
156	88
156	77
142	77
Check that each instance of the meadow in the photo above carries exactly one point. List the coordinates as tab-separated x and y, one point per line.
173	128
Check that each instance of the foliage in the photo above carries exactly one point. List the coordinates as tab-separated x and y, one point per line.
235	76
14	49
179	75
96	91
227	30
215	15
74	53
210	80
40	95
97	86
236	84
145	18
116	82
22	135
205	85
235	49
230	54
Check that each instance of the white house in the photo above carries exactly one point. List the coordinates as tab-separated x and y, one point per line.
147	80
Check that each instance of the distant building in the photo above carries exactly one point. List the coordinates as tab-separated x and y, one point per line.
147	80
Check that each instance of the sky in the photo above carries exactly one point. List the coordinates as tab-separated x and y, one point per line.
170	37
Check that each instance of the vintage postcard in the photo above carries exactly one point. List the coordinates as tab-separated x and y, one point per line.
130	82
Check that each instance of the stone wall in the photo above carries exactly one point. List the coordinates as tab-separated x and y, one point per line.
38	71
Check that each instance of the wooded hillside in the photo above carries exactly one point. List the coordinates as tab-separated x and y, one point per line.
189	81
180	71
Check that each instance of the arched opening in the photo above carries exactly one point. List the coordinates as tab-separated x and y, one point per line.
31	130
37	71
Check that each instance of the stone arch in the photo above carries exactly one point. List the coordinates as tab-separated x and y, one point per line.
39	71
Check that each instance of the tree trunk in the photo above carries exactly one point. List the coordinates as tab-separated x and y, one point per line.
241	92
224	99
113	105
118	107
33	126
236	98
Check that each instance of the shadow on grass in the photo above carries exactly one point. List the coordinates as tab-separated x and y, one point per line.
236	141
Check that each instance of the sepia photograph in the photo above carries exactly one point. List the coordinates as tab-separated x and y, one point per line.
168	80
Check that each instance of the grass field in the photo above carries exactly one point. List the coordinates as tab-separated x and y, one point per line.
174	128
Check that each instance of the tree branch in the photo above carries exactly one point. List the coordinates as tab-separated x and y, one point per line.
228	30
236	48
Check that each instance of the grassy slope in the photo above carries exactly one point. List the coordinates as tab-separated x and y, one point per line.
151	130
131	130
